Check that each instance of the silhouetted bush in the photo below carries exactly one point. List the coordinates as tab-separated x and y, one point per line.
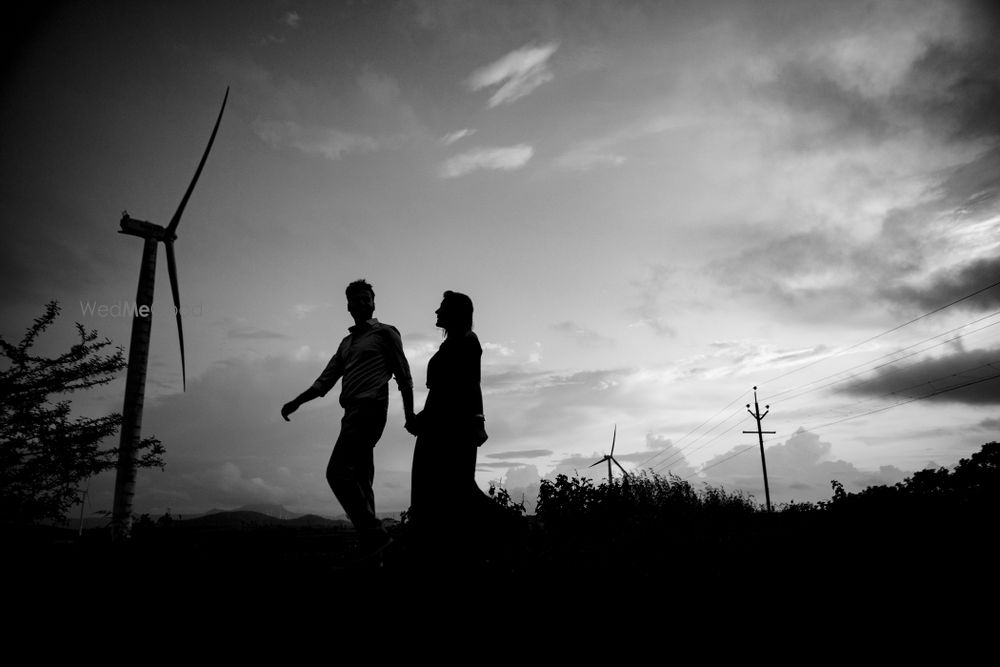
45	455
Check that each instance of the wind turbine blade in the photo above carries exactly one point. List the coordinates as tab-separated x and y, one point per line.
598	463
625	472
172	271
614	437
174	221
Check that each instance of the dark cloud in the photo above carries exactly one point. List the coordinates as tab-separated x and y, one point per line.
954	283
821	271
971	188
848	114
522	454
938	374
990	424
952	87
950	91
582	335
799	469
955	85
807	273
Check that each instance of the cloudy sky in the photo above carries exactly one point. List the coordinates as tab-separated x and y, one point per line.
654	206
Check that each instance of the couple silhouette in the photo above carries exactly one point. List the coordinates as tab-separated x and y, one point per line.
444	496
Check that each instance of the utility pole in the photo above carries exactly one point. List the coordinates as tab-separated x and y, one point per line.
760	437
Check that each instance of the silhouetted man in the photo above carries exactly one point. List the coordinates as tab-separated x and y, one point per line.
366	359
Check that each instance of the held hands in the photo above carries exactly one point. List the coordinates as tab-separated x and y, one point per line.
287	409
412	424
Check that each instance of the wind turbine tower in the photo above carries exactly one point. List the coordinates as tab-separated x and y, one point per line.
138	353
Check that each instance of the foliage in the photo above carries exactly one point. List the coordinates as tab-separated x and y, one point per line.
566	498
45	454
645	496
505	503
974	483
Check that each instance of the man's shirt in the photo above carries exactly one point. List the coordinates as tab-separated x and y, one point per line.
366	359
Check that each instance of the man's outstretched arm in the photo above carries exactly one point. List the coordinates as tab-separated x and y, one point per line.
319	388
294	404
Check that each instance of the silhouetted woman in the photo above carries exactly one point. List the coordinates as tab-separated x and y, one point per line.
445	498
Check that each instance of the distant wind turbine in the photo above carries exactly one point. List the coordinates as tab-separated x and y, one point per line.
610	458
138	354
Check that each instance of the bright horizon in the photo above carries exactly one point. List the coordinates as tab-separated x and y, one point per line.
653	206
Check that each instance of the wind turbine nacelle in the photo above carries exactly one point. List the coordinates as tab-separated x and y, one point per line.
141	228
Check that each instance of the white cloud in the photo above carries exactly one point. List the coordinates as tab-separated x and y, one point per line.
380	89
418	353
517	73
606	151
498	348
291	19
301	310
801	468
313	140
452	137
536	356
229	477
505	159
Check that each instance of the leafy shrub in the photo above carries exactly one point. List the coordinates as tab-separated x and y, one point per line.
44	453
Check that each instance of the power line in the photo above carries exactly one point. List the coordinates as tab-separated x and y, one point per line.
747	448
813	429
896	392
685	436
888	363
673	458
889	331
912	399
667	463
890	354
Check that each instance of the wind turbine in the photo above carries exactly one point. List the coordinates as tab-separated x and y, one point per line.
138	353
610	458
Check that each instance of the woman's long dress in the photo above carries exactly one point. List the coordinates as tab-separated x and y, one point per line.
444	490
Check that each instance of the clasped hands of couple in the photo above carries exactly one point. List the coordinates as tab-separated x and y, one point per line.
412	424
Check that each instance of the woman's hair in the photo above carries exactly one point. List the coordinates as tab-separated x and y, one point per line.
460	307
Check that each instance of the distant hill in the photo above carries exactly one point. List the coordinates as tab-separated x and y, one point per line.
313	520
268	509
250	519
276	511
262	514
231	520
